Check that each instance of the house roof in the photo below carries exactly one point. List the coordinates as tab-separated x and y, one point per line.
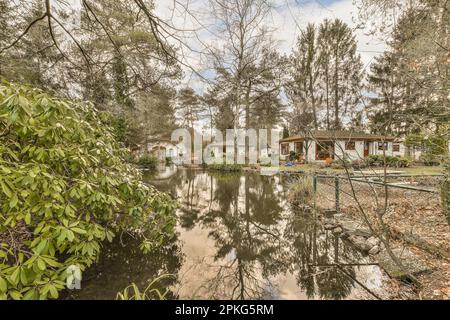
162	140
337	135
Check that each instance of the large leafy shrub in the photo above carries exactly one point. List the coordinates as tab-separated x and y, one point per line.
148	162
65	188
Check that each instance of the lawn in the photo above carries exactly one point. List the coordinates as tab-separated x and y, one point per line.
314	168
424	170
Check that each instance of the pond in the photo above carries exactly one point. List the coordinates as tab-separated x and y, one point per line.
237	238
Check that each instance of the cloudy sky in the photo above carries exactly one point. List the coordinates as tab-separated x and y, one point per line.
287	18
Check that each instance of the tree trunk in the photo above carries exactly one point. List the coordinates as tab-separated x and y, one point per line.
336	93
327	92
247	120
313	99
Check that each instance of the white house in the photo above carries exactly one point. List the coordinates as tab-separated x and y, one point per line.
318	145
217	149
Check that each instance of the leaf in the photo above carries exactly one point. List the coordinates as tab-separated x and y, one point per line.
41	264
15	276
28	218
109	235
51	261
40	248
6	190
53	292
3	285
24	104
23	277
16	295
70	235
30	294
13	201
79	230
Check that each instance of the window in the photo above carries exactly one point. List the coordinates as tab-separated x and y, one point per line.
324	150
350	145
298	147
382	146
285	149
396	147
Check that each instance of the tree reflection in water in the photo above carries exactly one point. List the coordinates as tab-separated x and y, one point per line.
237	238
257	238
312	250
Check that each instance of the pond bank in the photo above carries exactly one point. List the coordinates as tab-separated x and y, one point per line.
418	229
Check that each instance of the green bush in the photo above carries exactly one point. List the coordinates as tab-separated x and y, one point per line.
169	161
373	160
65	188
359	164
293	155
403	162
301	190
379	160
341	163
429	159
148	162
397	162
225	167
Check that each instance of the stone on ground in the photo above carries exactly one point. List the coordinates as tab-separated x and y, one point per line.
410	261
355	228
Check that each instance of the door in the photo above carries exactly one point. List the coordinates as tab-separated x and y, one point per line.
366	149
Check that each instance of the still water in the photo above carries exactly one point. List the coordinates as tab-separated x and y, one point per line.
237	238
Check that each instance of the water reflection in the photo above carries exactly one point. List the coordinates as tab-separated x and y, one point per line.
122	263
237	238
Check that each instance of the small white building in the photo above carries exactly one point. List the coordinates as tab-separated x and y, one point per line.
317	146
162	149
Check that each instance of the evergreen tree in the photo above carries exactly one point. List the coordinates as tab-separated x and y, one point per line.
346	70
326	73
411	79
305	73
189	107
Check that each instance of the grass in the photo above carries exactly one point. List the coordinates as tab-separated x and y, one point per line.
301	190
132	292
311	168
424	170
